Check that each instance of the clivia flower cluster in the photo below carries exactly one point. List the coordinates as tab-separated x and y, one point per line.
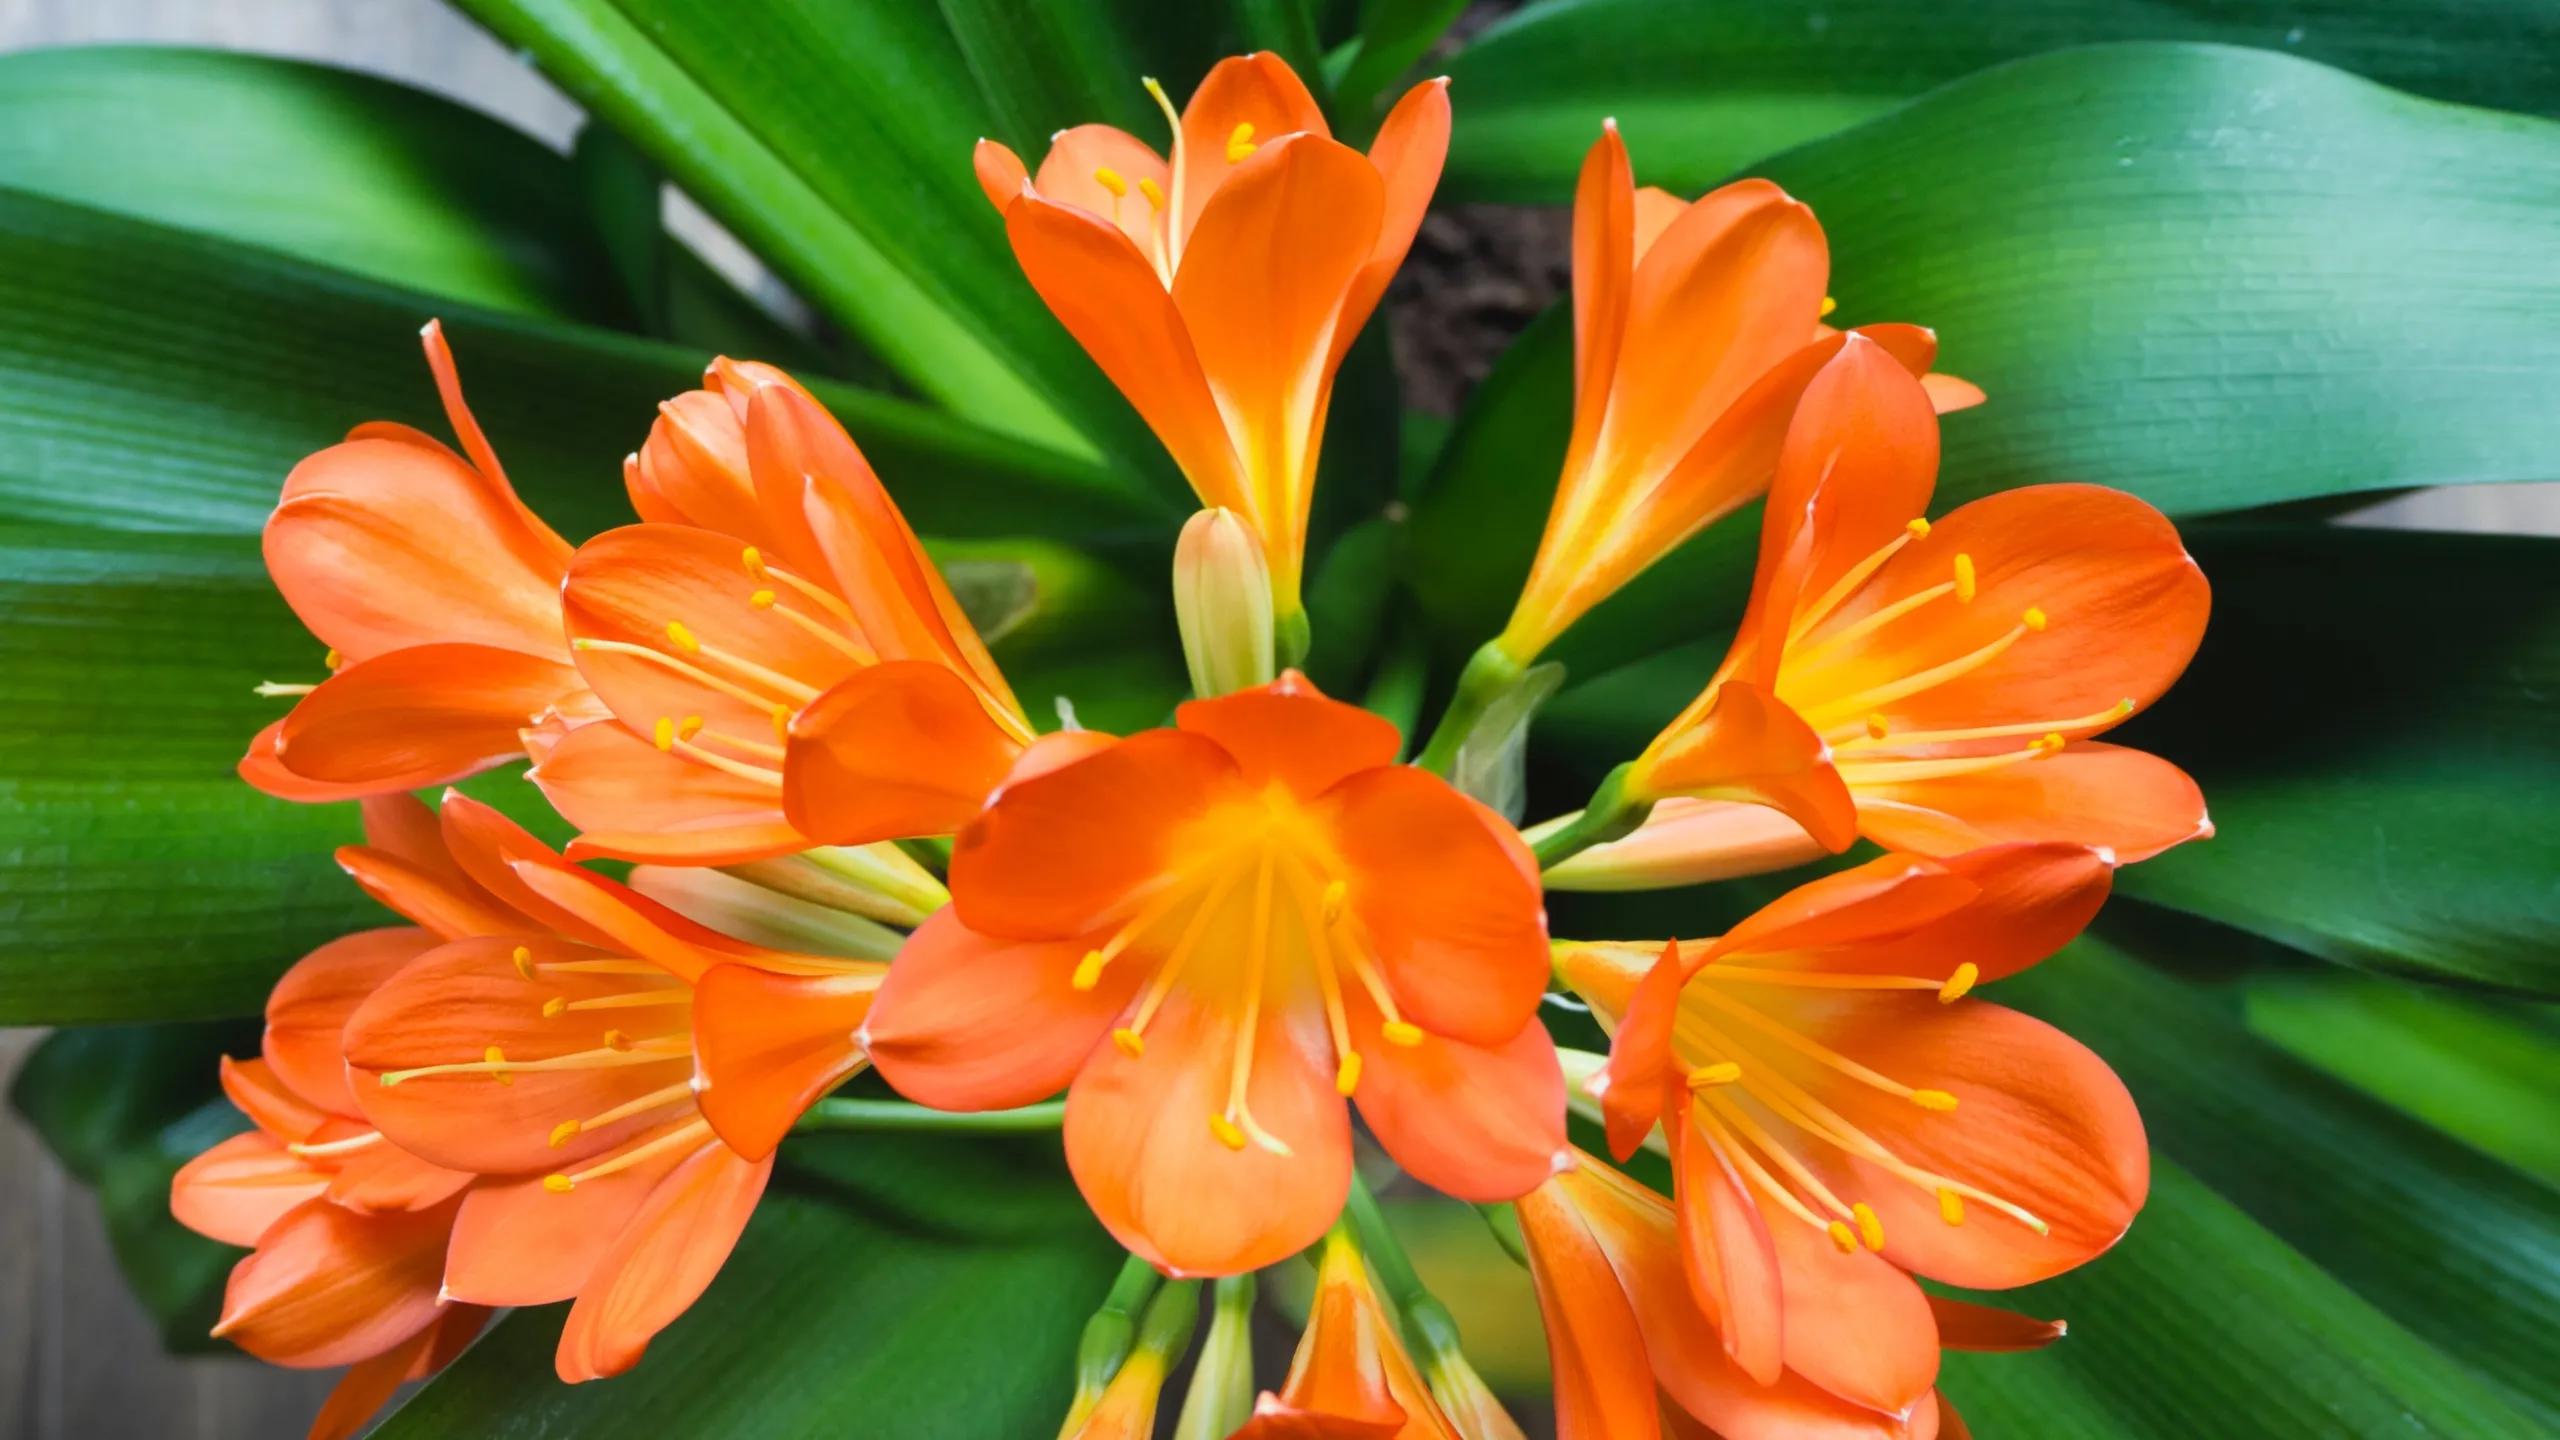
1225	937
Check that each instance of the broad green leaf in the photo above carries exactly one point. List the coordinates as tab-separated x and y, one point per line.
2449	1243
163	380
2375	720
2217	278
834	136
1393	36
122	1109
886	1286
1706	85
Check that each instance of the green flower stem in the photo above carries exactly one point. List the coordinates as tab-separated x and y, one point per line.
1221	1395
877	1115
933	852
1490	671
1106	1339
1611	815
1291	636
1504	1221
1428	1326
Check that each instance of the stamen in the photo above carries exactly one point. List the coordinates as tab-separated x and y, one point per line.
1814	979
847	647
1240	142
1964	582
1088	970
1168	969
682	637
1906	687
1847	585
1401	1032
1733	1115
524	962
555	1007
1938	1100
273	688
1950	1206
1858	770
496	1059
1226	1131
1337	897
1733	1149
1346	1075
688	1133
657	1099
753	559
1868	626
1722	1072
1959	983
694	673
2034	619
1249	1032
753	774
762	599
1153	192
564	1132
1109	179
1843	1238
496	1064
1829	305
333	661
1870	1229
635	999
1877	729
739	743
2108	716
826	599
1131	1043
664	735
338	1147
1787	1036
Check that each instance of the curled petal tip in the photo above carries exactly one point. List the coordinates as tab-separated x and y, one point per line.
2107	856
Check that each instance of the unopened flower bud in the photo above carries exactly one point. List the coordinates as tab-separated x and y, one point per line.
1222	599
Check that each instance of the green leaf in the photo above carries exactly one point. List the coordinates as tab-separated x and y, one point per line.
951	1309
1703	86
2451	1244
122	1109
2216	278
1393	36
166	380
2375	720
833	136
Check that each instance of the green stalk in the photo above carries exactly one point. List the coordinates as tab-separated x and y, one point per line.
1611	815
1106	1338
1221	1395
1504	1221
1490	671
1428	1326
841	1115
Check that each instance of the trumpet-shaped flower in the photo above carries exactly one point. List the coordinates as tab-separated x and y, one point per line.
781	662
1218	933
549	1047
1838	1111
1219	289
437	591
1696	327
347	1231
1636	1352
1934	687
1352	1378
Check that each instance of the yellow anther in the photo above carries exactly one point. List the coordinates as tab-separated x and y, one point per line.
333	659
1829	305
524	962
2034	619
1950	1207
1876	728
1843	1239
1401	1032
762	599
555	1007
1964	577
561	1132
1131	1043
1336	896
691	727
1226	1131
1346	1076
753	559
2050	743
781	722
1088	970
682	637
495	1056
1723	1072
1919	529
2124	707
558	1184
616	1040
1870	1229
1240	142
1938	1100
1109	179
1959	983
1153	192
665	733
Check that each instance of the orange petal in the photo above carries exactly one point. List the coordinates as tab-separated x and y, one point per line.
384	1177
1730	1256
1261	291
1690	842
1963	1325
452	1005
1748	745
451	910
1069	175
421	716
328	1286
1057	852
693	469
1604	257
1888	897
1412	145
1655	209
896	750
307	1011
1139	1142
1483	1123
520	1243
1341	1382
2122	802
271	1105
2040	1122
1948	393
1448	900
391	540
488	846
235	1190
636	925
966	1022
632	801
262	768
664	1259
2032	901
369	1385
1259	90
1604	1389
768	1046
1640	1052
1000	173
1290	732
1856	1326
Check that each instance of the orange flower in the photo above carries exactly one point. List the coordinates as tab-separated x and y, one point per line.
1838	1112
438	593
348	1232
1933	687
1696	326
782	664
1635	1350
1352	1379
547	1046
1219	291
1217	932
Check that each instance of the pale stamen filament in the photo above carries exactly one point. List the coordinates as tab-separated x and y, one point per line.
1863	736
744	746
274	688
764	600
1821	980
1799	1107
599	967
752	774
338	1147
658	1099
1239	1112
692	672
1787	1036
632	1000
832	603
1732	1113
691	1132
1733	1149
1848	583
1170	968
1318	915
1833	712
653	1051
1812	656
684	638
1173	209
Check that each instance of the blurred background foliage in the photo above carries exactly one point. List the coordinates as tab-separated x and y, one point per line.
2262	262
